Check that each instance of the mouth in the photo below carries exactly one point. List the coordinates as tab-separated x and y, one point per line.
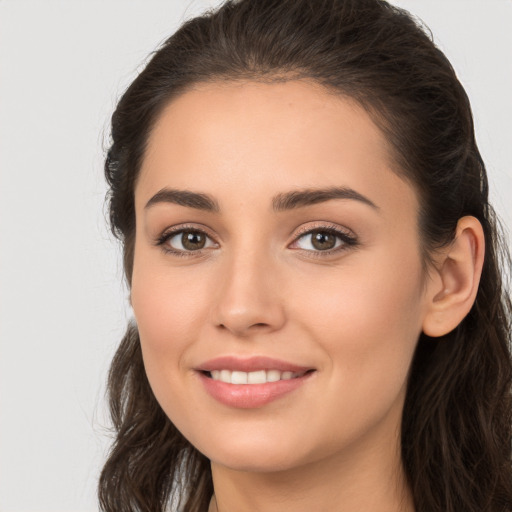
252	382
255	377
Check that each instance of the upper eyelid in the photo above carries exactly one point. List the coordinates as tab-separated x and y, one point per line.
325	227
174	230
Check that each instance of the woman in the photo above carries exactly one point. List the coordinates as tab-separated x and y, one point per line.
320	321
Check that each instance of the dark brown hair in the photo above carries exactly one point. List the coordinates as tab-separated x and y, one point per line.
456	428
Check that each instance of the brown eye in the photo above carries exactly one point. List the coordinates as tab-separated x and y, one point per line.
186	241
193	240
323	240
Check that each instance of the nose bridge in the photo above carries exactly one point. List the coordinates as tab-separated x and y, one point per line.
249	297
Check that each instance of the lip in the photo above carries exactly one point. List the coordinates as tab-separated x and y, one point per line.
250	396
250	364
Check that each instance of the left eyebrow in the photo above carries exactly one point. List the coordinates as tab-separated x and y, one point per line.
299	198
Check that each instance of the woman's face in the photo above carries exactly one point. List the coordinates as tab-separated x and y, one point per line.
302	247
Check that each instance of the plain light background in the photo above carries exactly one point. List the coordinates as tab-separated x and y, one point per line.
63	307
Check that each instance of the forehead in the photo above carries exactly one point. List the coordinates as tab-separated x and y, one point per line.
254	138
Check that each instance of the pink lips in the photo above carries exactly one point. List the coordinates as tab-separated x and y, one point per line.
248	396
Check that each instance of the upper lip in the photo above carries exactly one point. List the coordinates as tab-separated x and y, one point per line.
250	364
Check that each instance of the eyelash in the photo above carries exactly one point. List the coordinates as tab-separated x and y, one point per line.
348	240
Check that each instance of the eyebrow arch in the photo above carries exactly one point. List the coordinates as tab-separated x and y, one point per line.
307	197
281	202
184	198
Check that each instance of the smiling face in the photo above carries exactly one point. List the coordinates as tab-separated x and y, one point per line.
302	246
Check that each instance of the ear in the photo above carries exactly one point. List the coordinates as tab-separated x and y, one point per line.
453	284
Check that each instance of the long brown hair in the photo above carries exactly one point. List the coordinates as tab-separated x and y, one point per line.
457	418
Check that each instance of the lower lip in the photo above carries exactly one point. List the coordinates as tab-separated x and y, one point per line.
251	396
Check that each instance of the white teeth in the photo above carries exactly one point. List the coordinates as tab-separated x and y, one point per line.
273	375
258	377
238	378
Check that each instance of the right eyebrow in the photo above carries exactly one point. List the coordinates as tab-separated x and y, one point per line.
184	198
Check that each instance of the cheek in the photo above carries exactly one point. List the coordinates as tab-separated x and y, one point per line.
169	307
367	319
379	293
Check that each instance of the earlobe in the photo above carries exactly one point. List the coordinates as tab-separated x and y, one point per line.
452	290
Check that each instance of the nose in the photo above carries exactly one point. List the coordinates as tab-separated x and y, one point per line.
249	296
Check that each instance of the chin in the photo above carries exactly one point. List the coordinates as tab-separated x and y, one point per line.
252	454
253	463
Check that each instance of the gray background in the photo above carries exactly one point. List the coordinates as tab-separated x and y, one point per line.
63	306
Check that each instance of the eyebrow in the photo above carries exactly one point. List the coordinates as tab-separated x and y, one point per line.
184	198
281	202
306	197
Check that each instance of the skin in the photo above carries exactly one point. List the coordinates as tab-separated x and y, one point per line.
259	287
